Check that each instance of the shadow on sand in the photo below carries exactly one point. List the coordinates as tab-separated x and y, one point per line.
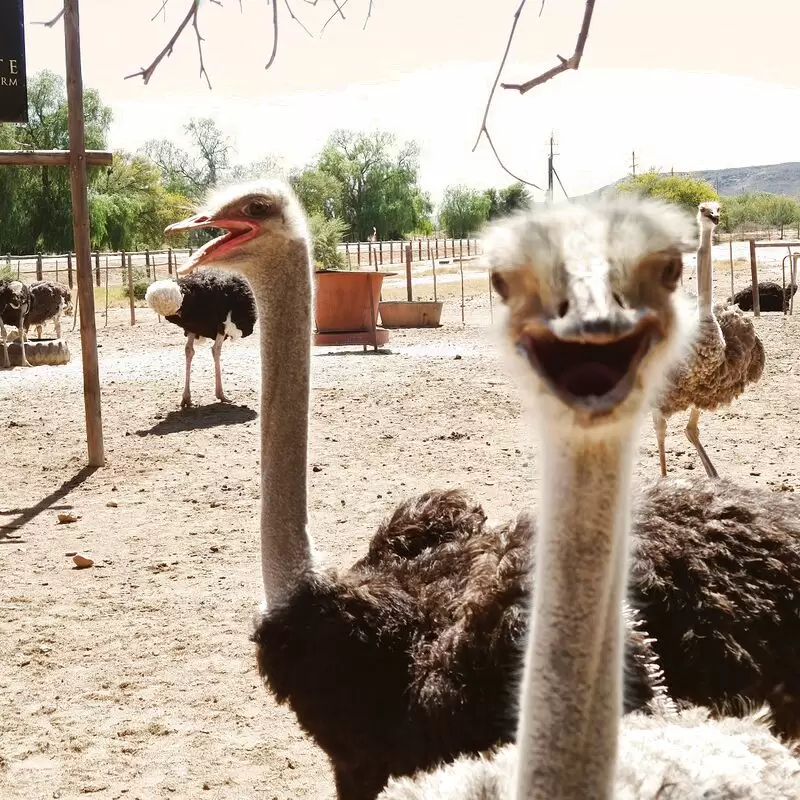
25	515
190	419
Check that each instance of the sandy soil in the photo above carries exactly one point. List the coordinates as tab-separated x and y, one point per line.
135	678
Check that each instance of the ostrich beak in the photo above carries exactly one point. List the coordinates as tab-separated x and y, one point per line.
237	232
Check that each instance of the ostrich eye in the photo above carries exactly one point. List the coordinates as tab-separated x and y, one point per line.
671	273
257	208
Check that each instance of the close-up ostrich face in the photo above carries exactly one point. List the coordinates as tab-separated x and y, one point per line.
591	305
255	216
709	213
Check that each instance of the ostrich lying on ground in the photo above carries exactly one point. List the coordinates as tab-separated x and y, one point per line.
771	297
15	303
49	300
595	325
726	356
210	305
409	656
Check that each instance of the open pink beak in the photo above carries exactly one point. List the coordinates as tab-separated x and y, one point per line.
238	231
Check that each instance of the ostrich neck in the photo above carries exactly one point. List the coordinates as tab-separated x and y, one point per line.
284	304
572	685
705	272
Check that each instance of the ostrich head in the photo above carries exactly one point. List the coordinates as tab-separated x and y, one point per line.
593	311
708	214
262	221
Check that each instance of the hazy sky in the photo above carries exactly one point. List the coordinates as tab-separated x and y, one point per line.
685	84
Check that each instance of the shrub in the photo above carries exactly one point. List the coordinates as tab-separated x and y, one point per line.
326	235
140	284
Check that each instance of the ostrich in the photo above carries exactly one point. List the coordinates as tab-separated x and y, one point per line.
211	305
15	303
595	325
771	297
49	301
726	356
409	657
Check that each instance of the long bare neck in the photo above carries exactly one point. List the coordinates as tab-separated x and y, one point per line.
284	304
705	271
572	685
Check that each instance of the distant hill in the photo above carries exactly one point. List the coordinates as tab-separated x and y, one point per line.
775	178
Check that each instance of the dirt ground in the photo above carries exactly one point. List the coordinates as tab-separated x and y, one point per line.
135	678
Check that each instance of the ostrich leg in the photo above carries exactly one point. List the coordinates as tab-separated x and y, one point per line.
6	359
693	435
21	329
216	349
660	424
186	400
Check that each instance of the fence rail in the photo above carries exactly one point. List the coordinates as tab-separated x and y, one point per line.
153	264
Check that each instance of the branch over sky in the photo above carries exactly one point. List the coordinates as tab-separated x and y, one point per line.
338	6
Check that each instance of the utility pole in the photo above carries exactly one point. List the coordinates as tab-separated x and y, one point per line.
633	162
550	170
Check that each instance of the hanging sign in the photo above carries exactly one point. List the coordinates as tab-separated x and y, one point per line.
13	80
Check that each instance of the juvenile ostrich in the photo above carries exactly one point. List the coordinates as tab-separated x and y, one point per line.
725	358
409	657
593	318
771	297
15	303
207	305
49	300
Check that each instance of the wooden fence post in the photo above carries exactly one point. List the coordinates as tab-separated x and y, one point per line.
169	261
358	254
69	269
754	278
408	273
147	262
97	267
38	266
347	254
419	249
380	253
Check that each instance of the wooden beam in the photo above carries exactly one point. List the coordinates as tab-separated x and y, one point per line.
782	243
52	158
80	230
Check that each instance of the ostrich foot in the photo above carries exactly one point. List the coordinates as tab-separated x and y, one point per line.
223	398
186	401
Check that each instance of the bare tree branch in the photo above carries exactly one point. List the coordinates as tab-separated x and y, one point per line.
147	72
163	9
335	14
200	45
52	22
274	34
484	131
369	14
573	62
296	18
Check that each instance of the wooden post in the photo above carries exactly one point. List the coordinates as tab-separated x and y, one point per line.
169	261
97	267
380	252
105	325
460	249
347	254
468	246
408	273
38	266
433	267
358	254
730	253
130	288
69	270
147	262
436	248
461	269
419	249
754	278
391	252
80	229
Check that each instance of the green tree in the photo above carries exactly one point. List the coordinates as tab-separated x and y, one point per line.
318	192
681	189
379	183
508	200
36	208
326	236
463	210
782	211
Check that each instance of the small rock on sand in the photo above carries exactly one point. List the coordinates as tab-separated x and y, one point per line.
81	561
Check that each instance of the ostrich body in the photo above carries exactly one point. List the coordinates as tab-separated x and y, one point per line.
49	300
771	297
207	305
410	656
726	356
15	303
593	318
